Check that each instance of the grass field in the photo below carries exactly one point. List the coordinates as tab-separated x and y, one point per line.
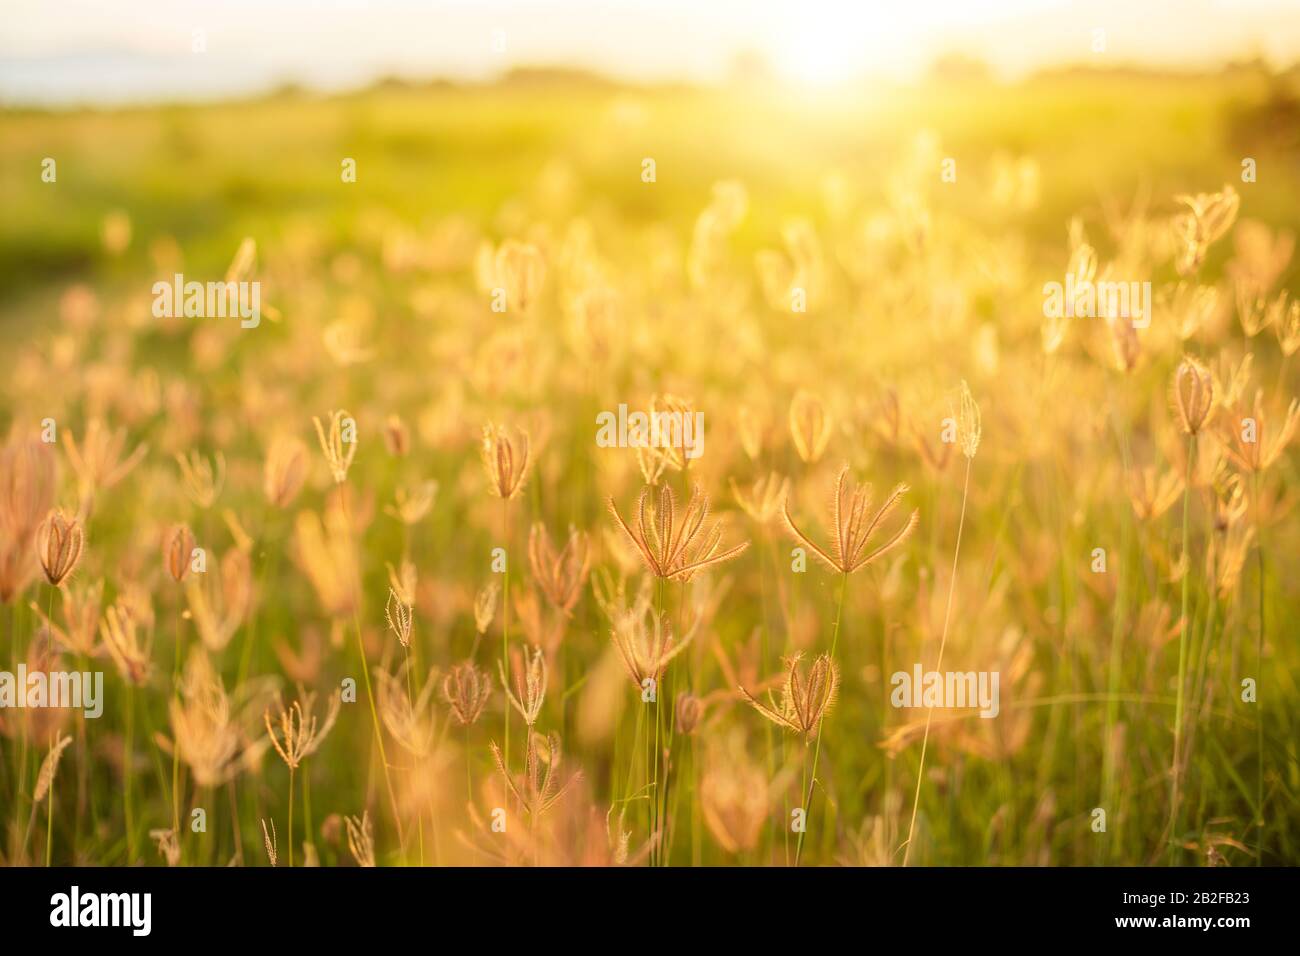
851	283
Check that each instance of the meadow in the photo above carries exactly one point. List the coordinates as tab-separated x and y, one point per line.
366	588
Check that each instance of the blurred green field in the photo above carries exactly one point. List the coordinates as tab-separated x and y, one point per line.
210	175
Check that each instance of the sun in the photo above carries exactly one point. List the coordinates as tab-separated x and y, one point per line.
821	43
824	43
822	51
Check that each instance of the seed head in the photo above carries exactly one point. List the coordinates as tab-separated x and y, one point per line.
1126	348
505	460
399	617
361	839
59	541
560	574
397	437
218	611
536	791
338	443
1286	324
326	553
1228	501
669	408
1225	557
688	711
851	531
411	504
646	643
49	767
466	689
298	733
1206	219
521	270
169	848
99	460
81	607
485	606
203	478
118	631
269	839
763	500
735	798
528	671
402	581
1249	444
206	735
27	485
1151	494
28	478
285	470
804	702
178	546
675	549
968	423
1193	390
810	427
410	720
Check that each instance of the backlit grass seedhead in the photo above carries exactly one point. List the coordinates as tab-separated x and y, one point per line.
505	459
400	617
485	606
525	686
969	428
466	689
59	542
338	442
1247	438
560	574
203	478
100	458
804	701
762	502
120	633
810	426
852	529
285	470
646	644
178	547
675	546
1205	218
1193	393
297	732
536	789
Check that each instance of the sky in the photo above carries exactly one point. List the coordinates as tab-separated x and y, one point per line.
113	51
